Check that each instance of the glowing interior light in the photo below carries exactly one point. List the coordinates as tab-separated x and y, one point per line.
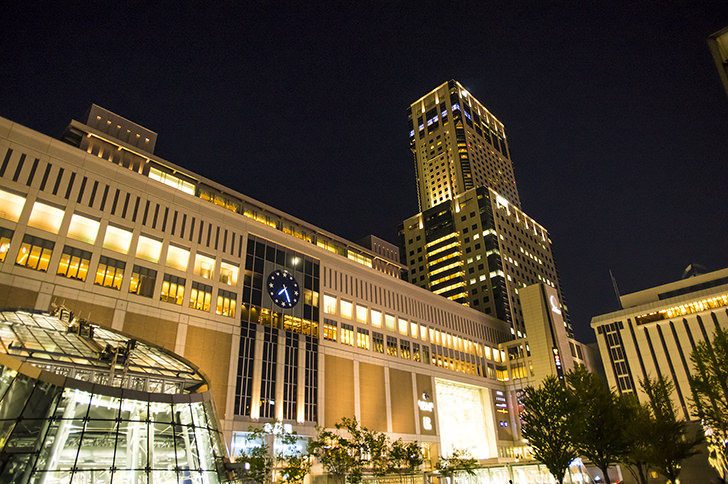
45	217
83	229
11	206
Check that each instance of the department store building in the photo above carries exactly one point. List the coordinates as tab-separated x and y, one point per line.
289	322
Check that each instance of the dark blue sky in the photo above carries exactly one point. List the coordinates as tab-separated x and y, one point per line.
616	118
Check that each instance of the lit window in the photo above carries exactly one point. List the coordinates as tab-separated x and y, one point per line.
376	319
173	289
11	206
362	338
6	236
204	266
142	281
378	342
83	229
330	330
35	253
361	314
177	257
149	249
402	325
346	309
404	349
347	334
413	329
117	239
226	303
74	263
200	296
391	346
109	272
389	322
45	217
172	181
423	333
228	274
329	304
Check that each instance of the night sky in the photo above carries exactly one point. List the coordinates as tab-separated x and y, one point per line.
615	114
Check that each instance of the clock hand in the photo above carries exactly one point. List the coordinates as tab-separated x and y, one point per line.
284	291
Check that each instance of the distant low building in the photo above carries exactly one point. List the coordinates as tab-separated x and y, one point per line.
657	330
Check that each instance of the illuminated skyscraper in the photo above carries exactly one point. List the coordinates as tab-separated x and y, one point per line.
458	145
471	242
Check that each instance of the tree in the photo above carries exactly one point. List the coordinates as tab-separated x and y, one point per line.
670	442
597	417
638	428
709	385
546	426
404	458
292	465
259	462
350	450
459	462
256	458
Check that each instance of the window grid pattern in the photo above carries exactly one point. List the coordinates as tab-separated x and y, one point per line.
6	235
74	263
244	381
200	296
226	302
35	253
268	373
173	289
290	376
311	389
143	281
110	272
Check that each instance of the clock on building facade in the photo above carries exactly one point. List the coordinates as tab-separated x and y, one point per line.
283	289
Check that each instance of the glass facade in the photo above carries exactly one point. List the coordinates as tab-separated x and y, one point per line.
58	429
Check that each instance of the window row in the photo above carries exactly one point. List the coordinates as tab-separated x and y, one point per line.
35	253
363	315
118	239
361	338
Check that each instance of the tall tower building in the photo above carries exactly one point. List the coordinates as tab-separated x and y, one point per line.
471	242
458	145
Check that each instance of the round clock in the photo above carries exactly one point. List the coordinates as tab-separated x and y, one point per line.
283	289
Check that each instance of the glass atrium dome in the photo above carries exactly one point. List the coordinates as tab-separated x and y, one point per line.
85	404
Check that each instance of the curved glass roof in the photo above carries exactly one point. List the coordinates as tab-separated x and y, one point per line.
84	351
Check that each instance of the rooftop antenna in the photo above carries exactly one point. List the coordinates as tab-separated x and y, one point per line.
616	289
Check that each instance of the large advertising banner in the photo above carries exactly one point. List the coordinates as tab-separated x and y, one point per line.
465	415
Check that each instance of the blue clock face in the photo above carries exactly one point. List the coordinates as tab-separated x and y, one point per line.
283	289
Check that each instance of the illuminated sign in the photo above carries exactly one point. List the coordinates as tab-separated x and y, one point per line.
426	406
424	403
554	304
427	423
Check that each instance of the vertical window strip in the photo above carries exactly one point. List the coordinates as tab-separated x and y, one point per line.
31	175
46	174
637	348
81	190
69	187
103	198
164	219
57	185
93	194
672	372
115	202
19	167
6	160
